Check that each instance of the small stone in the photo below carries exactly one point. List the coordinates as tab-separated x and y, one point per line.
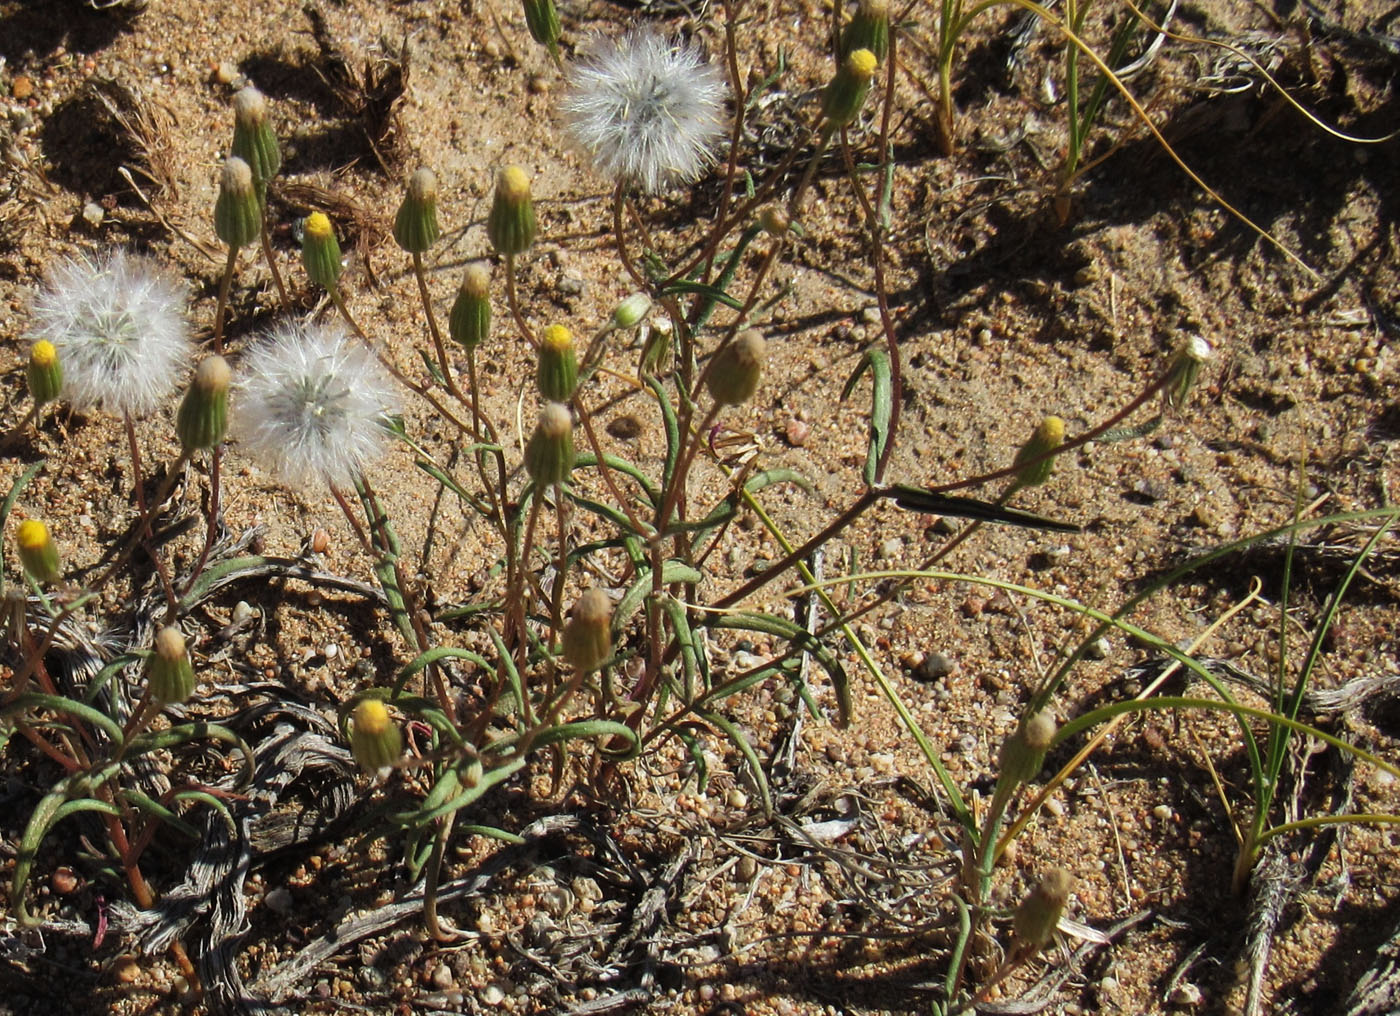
1186	995
1163	812
320	541
625	428
538	84
797	432
973	606
226	73
64	881
279	901
242	613
442	977
570	285
736	798
870	316
1097	649
330	650
371	978
93	214
126	970
891	547
22	87
934	666
492	995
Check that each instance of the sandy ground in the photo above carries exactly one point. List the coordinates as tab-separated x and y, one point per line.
694	901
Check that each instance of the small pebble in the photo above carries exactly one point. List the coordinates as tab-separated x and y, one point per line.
797	432
93	214
492	995
442	977
1097	649
1186	995
22	87
126	970
226	73
1163	812
320	541
64	881
933	667
279	901
538	84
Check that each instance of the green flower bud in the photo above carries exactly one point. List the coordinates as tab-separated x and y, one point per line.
869	28
1023	752
470	321
375	740
320	251
845	93
1035	919
169	673
203	417
542	18
549	454
737	368
237	212
557	372
587	636
1047	437
416	225
253	139
1186	367
510	225
37	551
631	311
45	372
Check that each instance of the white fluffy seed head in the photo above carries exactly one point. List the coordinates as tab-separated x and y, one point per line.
313	405
119	327
648	110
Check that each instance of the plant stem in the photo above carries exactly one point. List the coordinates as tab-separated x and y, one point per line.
272	263
222	308
433	331
514	304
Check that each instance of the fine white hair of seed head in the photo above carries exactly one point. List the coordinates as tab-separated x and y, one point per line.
118	323
648	110
313	405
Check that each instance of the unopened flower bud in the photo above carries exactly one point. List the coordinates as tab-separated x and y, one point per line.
737	368
631	311
375	740
869	28
169	671
203	417
37	551
587	636
557	372
845	93
1185	368
549	454
1035	458
320	251
470	321
1023	752
238	211
253	139
416	224
510	225
45	373
1035	919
